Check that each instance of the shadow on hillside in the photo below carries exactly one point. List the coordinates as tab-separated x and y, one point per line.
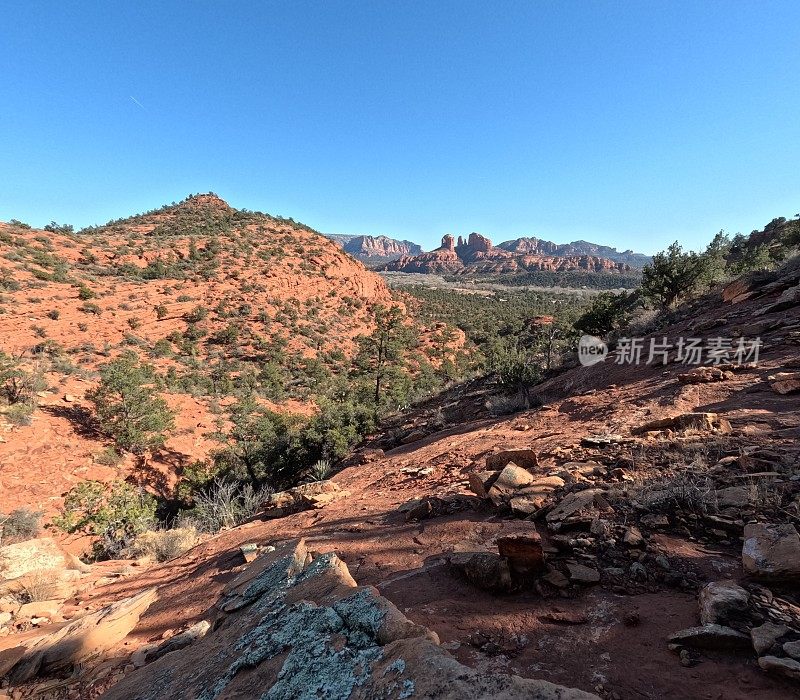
82	419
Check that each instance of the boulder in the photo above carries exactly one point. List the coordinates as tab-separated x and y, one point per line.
81	639
792	649
481	482
42	554
771	552
40	608
523	552
313	632
711	637
485	570
527	459
735	497
694	422
511	479
723	603
316	494
765	636
785	667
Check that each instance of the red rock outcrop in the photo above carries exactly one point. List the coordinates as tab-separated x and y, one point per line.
478	255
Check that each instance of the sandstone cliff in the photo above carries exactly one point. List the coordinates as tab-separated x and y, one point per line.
477	255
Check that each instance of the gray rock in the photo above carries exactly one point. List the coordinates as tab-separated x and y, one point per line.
771	551
786	667
792	649
582	574
765	636
723	602
711	637
315	633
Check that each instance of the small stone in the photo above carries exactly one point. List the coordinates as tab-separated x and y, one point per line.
600	528
638	572
633	537
555	578
655	521
249	551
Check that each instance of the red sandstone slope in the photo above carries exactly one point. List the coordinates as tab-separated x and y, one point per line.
72	301
609	637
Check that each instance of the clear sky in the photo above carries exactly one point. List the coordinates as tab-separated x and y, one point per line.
627	123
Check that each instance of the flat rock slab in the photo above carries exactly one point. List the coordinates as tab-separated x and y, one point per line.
785	667
81	639
712	637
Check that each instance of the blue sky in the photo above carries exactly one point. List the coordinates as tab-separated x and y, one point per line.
627	123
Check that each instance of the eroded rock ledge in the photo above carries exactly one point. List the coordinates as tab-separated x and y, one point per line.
294	625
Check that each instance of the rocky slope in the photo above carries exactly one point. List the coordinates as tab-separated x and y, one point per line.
477	255
632	536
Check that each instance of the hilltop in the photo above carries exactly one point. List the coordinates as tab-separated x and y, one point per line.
219	303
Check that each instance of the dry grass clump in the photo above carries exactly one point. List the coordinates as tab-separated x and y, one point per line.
37	586
684	491
162	545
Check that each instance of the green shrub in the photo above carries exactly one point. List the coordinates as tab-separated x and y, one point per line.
54	314
114	512
197	314
162	348
127	409
20	525
91	308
